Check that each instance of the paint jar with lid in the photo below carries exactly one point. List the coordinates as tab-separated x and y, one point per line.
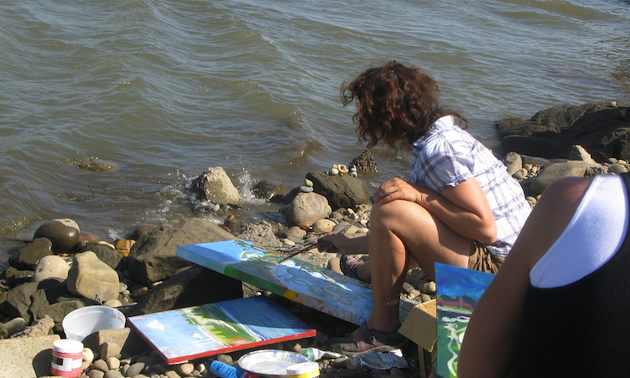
67	356
303	370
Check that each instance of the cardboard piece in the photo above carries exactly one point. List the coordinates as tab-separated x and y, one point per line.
421	328
215	328
420	325
311	285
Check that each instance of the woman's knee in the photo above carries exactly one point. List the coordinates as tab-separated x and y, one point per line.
399	212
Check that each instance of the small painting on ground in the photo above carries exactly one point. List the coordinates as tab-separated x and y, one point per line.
458	291
222	327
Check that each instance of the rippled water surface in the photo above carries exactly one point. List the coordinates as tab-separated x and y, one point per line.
166	89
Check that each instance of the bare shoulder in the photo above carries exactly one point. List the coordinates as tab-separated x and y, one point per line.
567	190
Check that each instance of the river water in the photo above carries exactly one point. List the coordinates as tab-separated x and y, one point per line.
165	89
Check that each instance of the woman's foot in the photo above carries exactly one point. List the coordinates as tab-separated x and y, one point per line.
367	340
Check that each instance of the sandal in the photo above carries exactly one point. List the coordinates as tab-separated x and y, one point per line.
369	340
348	265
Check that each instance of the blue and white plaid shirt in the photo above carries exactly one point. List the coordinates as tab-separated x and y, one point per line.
447	156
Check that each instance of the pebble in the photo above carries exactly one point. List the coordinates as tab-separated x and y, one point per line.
185	369
113	363
96	374
134	369
429	288
100	365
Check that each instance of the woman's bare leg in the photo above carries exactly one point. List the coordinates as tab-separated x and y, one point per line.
400	232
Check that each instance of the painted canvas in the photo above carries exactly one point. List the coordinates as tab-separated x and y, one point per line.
311	285
200	331
458	291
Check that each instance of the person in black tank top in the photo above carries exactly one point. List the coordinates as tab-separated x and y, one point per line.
575	330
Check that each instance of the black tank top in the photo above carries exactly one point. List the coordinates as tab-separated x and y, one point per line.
581	329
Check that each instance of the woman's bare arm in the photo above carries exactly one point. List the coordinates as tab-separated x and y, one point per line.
491	339
464	208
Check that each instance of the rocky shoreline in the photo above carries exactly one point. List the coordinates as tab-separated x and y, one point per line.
64	268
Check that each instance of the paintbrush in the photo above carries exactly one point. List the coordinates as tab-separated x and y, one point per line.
310	245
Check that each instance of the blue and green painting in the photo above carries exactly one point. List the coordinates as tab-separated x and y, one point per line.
222	327
458	291
300	281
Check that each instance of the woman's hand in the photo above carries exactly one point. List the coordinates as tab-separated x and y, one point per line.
356	245
399	189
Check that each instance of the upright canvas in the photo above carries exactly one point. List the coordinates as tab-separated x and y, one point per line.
311	285
200	331
458	291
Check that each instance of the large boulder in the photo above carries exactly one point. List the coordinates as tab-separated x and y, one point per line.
214	185
191	286
91	278
341	191
63	233
556	171
153	257
306	209
602	128
105	252
19	301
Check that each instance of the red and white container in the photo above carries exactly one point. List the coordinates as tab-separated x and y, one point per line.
67	356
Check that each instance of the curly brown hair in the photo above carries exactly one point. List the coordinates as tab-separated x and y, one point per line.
394	103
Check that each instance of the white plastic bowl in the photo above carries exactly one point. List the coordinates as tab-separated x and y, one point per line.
84	321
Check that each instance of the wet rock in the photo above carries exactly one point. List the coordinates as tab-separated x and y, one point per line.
306	209
27	258
153	257
86	237
141	230
91	278
123	246
340	191
268	189
215	186
52	266
63	233
97	165
364	162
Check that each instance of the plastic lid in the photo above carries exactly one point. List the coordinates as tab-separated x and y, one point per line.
303	370
68	346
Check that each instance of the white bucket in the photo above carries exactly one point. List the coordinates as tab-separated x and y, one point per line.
84	321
